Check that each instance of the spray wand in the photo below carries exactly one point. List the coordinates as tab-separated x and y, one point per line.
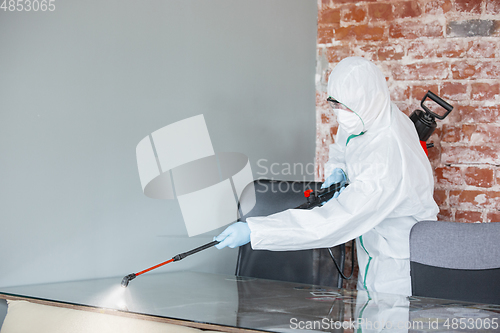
314	199
178	257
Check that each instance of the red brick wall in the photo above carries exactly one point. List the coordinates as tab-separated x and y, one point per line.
451	47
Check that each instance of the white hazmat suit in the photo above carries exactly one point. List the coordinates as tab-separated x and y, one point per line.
391	187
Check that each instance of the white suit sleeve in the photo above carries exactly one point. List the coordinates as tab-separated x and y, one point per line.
369	199
336	155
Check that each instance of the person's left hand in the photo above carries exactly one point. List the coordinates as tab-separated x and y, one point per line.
338	192
235	235
337	176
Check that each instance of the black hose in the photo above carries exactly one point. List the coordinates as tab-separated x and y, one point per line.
337	265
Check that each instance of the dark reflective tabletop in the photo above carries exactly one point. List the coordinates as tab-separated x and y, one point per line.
248	303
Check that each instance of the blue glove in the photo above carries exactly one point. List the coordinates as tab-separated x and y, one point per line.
337	176
338	192
235	235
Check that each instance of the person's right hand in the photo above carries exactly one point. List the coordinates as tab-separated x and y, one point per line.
235	235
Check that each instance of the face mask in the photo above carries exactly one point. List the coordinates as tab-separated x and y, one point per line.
349	121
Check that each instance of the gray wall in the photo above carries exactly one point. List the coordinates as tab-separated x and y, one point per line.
81	86
3	310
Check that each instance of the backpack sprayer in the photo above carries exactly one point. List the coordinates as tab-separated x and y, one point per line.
314	199
425	124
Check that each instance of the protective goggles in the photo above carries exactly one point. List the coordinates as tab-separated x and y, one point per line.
347	118
337	105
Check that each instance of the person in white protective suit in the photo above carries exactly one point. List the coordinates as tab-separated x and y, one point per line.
390	186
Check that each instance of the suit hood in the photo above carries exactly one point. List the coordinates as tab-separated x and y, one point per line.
360	85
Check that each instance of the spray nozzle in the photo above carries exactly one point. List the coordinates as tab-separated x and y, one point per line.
127	279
